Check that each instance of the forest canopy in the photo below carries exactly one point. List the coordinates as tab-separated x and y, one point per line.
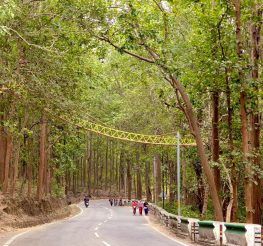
150	67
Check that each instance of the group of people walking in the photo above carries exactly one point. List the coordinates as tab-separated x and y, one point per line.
116	202
141	205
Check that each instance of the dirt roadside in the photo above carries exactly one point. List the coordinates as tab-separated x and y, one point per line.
8	233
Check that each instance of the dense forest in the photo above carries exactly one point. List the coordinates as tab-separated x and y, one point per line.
144	66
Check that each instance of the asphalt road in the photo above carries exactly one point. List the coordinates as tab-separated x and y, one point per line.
99	224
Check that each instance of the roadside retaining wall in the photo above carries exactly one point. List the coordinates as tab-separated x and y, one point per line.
27	212
209	232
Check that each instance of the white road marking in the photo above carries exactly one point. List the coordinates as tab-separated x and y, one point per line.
96	228
165	235
96	234
12	239
105	243
105	221
100	224
80	213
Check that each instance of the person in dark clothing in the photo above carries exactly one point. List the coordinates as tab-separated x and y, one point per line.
111	201
86	201
145	207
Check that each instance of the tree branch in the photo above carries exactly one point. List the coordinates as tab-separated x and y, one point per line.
142	58
5	28
181	107
159	6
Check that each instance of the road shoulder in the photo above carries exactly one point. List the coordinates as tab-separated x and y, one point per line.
162	229
75	210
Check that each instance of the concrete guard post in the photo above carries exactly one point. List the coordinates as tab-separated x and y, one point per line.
165	217
242	234
169	220
186	227
174	223
209	233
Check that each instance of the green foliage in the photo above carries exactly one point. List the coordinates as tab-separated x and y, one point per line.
57	191
69	58
188	211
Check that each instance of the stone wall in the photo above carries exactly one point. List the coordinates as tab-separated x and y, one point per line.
209	232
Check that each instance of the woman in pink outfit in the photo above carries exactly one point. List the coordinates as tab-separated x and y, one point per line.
140	205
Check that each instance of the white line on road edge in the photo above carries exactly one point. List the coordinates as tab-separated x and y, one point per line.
12	239
80	213
171	238
105	243
96	234
96	228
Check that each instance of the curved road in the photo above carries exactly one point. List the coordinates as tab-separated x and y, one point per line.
99	224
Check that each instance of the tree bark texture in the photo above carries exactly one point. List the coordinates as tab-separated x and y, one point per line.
215	139
42	157
200	147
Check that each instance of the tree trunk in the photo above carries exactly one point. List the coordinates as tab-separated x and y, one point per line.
184	184
200	147
106	165
205	199
129	179
215	139
110	165
172	181
29	164
8	158
121	172
85	165
90	159
15	166
139	180
246	141
2	150
101	170
97	172
255	121
94	171
17	154
147	181
232	164
158	177
42	158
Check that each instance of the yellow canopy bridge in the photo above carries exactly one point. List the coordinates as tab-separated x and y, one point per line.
168	140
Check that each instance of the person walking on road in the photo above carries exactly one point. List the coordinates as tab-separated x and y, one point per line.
146	208
120	202
134	206
111	201
140	205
